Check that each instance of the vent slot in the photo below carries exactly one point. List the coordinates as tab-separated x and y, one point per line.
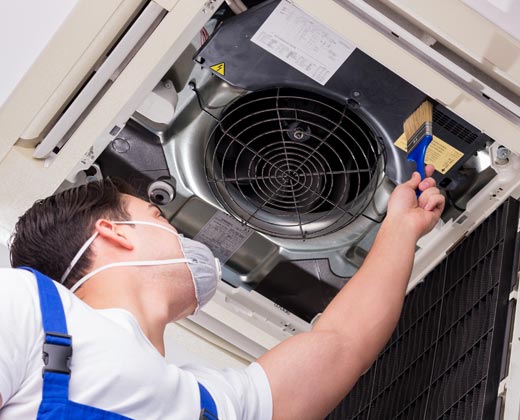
453	126
96	86
444	358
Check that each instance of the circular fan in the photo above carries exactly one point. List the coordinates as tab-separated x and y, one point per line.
292	164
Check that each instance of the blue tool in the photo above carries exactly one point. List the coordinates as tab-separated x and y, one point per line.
419	134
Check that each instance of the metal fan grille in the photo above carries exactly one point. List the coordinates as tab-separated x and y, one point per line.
292	164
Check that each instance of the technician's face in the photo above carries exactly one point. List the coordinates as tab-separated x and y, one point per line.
157	242
153	243
142	210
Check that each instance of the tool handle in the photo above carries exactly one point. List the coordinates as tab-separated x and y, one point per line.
418	154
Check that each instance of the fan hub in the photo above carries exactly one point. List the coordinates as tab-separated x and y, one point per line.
298	131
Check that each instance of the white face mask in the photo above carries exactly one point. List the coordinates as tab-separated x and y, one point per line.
204	267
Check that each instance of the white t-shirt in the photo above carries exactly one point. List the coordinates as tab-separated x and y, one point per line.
114	366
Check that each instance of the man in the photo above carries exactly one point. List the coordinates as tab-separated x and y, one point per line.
92	237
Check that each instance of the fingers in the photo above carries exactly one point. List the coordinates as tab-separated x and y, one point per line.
414	181
435	203
427	183
432	200
425	196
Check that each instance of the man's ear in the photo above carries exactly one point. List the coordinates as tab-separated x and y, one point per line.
111	232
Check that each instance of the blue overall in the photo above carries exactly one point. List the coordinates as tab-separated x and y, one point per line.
57	354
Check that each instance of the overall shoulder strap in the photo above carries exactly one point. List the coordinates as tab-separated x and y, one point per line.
208	408
57	346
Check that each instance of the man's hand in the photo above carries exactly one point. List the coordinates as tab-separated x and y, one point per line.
421	214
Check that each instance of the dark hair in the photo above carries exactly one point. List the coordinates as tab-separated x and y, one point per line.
51	232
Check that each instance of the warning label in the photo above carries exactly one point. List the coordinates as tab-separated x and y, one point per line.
439	153
224	235
219	68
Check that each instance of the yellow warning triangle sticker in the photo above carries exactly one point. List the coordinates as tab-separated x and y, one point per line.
220	68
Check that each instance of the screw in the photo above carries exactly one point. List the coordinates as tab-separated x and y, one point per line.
503	152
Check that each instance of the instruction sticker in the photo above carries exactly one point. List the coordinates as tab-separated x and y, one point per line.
439	153
219	68
305	44
224	235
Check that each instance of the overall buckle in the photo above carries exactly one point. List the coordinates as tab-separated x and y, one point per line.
56	357
205	414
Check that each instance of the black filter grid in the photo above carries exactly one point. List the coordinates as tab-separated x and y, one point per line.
443	360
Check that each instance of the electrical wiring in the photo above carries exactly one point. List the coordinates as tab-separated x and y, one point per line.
203	36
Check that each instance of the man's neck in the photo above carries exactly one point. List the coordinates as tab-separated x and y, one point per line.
151	310
154	296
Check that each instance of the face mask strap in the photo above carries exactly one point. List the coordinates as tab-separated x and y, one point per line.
82	250
76	258
138	222
127	264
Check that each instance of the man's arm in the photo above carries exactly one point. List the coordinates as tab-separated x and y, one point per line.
310	373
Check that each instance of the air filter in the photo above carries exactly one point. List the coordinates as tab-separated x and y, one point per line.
444	359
